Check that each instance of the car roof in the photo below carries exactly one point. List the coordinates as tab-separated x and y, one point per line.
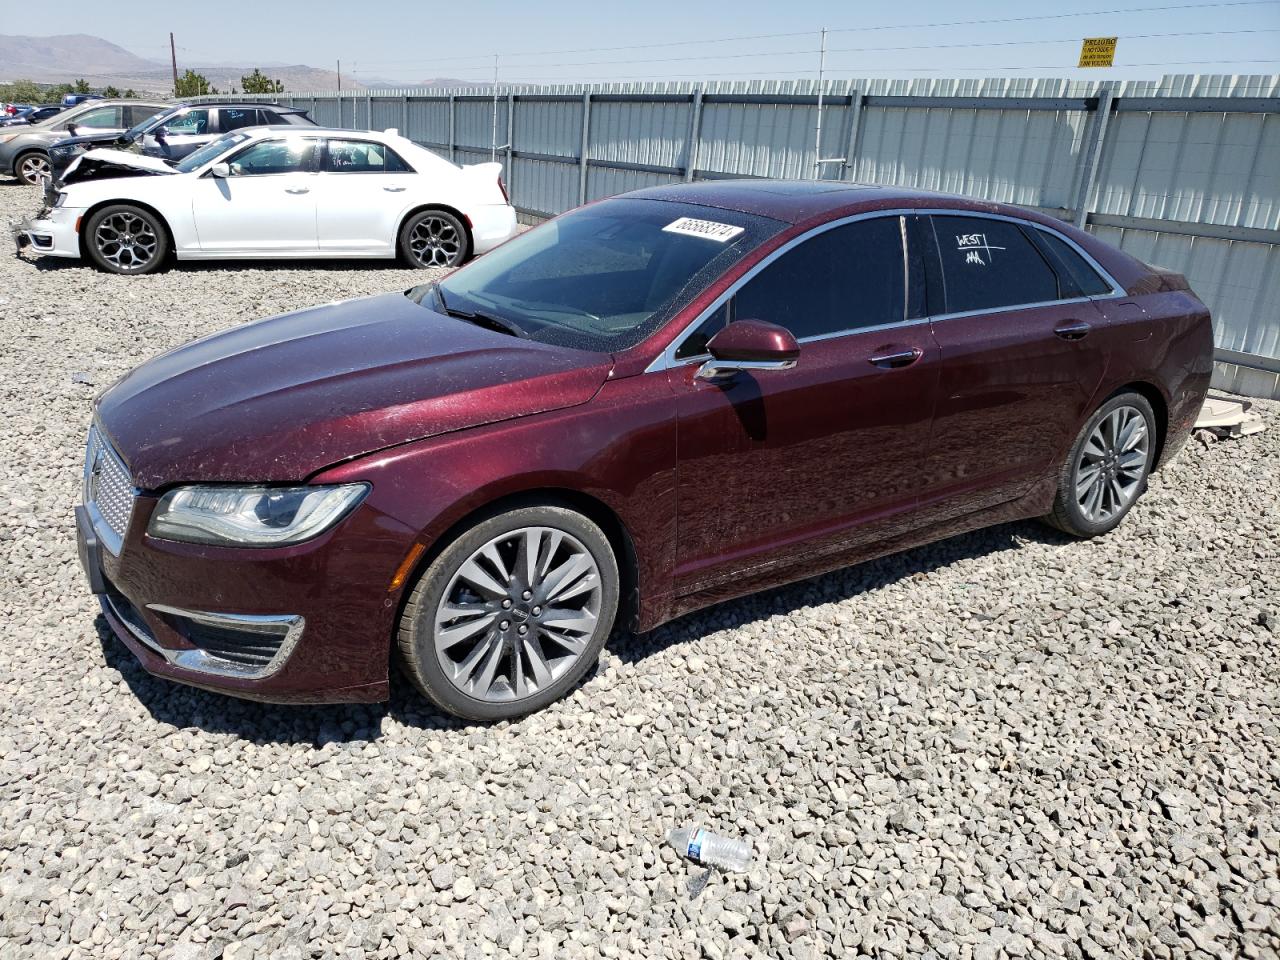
799	201
242	105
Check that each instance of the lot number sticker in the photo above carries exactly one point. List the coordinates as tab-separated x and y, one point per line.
707	229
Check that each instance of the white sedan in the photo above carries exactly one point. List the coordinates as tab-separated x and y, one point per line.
275	192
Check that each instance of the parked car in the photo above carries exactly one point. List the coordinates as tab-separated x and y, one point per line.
176	132
30	115
23	152
75	99
194	126
267	192
645	406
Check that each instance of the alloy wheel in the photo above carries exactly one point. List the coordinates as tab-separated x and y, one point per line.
434	242
518	614
1112	464
33	168
126	240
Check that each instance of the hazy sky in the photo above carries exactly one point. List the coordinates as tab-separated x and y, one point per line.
578	41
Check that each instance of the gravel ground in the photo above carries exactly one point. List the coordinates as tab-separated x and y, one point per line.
1006	744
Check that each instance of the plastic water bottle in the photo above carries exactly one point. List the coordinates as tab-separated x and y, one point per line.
710	849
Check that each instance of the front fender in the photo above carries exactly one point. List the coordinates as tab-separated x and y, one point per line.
618	449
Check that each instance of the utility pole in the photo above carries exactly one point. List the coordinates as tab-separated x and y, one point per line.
817	136
339	76
493	138
173	58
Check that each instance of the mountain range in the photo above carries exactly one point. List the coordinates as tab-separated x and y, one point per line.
65	58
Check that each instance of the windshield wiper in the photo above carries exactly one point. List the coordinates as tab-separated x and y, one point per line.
501	324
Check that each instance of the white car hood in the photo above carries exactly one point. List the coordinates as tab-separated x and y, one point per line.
120	158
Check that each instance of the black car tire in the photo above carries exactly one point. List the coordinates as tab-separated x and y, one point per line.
29	167
146	234
1069	513
417	628
433	239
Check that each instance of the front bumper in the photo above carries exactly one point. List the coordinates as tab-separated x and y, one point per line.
309	623
53	231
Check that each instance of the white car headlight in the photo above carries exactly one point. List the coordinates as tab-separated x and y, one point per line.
252	516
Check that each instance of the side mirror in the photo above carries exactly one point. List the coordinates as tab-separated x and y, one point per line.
749	345
160	133
71	129
221	170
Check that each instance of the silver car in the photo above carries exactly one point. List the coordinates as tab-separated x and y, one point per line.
23	151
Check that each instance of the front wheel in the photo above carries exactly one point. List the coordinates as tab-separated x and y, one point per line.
1107	468
32	167
511	614
433	238
126	239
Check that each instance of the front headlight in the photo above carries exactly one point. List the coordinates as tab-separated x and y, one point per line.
252	516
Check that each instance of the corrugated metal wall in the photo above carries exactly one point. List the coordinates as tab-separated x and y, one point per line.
1183	172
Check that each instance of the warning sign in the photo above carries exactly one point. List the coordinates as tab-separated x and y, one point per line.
1098	52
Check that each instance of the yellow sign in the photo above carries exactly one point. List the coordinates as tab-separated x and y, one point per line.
1098	52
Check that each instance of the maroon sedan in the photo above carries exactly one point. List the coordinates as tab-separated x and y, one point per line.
650	404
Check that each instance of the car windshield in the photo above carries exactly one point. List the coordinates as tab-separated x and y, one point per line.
603	277
195	161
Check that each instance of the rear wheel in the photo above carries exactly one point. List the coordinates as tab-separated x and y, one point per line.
511	614
126	239
32	167
1107	468
433	238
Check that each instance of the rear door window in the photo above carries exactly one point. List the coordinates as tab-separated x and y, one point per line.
989	264
104	118
234	118
362	156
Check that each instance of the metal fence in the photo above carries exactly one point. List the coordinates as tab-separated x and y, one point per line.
1183	172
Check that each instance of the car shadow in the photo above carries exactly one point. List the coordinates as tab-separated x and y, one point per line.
335	265
836	586
186	707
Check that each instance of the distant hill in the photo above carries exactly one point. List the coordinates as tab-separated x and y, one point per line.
65	58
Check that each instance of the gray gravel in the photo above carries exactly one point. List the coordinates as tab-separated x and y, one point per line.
1007	744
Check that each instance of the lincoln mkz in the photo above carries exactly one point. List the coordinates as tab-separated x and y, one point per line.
650	404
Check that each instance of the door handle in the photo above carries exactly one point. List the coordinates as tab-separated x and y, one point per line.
897	359
297	189
394	189
1073	330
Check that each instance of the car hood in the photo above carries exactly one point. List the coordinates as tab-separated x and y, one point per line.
88	139
117	159
279	399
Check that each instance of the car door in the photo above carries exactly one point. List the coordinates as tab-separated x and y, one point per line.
181	135
782	466
266	206
363	190
1021	359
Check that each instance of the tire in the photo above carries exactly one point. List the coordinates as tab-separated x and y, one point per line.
31	166
126	239
433	239
1119	467
511	652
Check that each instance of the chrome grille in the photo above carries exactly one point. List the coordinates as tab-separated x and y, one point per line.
108	490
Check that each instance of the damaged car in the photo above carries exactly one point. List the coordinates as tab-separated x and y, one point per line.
274	192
